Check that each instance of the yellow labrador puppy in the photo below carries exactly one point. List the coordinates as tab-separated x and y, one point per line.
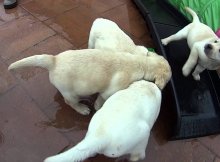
204	45
106	34
122	126
85	72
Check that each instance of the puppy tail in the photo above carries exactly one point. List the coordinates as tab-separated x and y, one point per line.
44	61
193	13
83	150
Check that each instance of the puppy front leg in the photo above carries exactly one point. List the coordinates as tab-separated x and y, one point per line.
197	71
178	36
191	61
91	42
139	152
137	156
102	98
74	103
99	102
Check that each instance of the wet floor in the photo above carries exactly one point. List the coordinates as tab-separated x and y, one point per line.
35	122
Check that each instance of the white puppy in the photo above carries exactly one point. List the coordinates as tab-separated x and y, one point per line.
85	72
204	45
122	126
106	34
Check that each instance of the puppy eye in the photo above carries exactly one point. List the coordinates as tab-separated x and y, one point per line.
216	41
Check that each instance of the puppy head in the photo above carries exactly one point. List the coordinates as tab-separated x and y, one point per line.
163	74
157	69
212	49
147	87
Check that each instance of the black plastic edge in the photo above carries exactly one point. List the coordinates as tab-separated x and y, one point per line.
161	51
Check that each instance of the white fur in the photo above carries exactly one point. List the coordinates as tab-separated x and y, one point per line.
106	34
122	126
85	72
199	36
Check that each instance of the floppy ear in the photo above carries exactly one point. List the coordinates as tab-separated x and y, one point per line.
162	79
160	82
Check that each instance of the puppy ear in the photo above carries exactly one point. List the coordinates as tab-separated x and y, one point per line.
162	79
160	82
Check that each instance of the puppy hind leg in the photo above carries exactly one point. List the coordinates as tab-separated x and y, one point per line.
74	103
99	102
197	71
182	34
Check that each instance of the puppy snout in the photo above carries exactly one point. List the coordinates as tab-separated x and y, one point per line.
208	48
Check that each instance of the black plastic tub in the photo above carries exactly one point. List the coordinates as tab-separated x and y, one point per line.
196	103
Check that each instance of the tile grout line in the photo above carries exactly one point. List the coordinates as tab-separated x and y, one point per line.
46	18
43	22
18	84
19	53
113	8
128	33
215	158
9	89
211	150
46	116
6	22
58	33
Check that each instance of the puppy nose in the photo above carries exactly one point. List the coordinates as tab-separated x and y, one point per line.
208	46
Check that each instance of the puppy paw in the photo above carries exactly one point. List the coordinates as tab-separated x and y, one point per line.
185	72
82	109
85	111
97	106
50	159
164	41
135	157
98	103
196	77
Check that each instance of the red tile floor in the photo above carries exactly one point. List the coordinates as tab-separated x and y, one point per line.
34	120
